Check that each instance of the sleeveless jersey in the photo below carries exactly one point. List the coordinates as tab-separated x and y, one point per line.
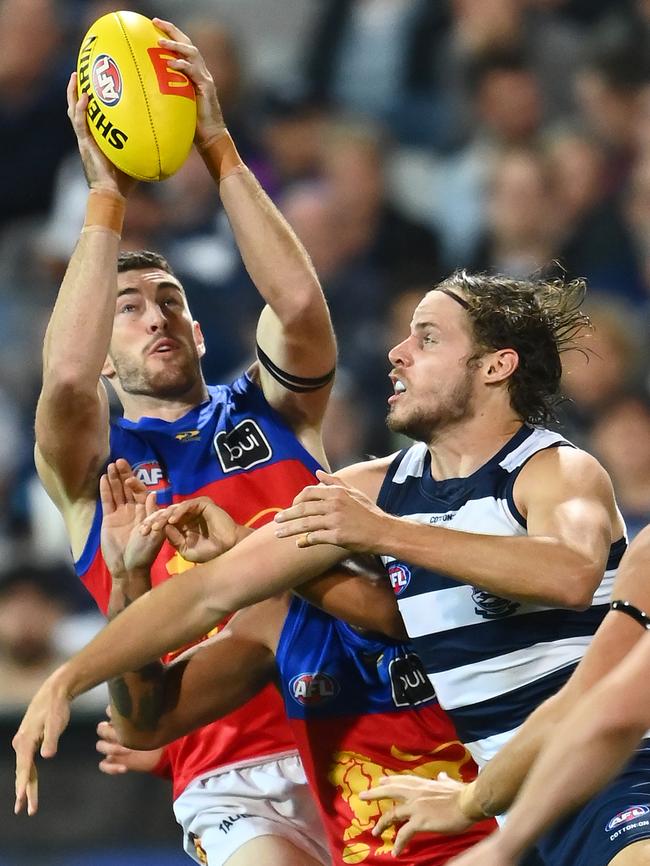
491	660
362	707
237	450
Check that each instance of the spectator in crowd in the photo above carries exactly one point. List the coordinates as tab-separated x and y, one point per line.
621	438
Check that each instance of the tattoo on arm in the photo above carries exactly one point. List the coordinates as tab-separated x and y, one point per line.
138	697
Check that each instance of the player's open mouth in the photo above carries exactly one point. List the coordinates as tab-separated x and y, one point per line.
398	388
162	347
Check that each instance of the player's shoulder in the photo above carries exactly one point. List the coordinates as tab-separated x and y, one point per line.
566	466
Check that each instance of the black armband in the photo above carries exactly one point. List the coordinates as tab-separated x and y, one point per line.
631	610
288	380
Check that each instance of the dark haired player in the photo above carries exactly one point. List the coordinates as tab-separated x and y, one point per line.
502	540
251	446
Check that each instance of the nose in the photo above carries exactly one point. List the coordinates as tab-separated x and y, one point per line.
399	355
155	318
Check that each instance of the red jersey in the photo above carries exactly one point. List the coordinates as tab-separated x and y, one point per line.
237	450
361	707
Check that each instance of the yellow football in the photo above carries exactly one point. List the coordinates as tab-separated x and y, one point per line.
141	112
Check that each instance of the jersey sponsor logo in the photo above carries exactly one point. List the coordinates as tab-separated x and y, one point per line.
492	606
243	447
312	689
627	815
188	436
442	518
400	577
409	682
107	80
151	475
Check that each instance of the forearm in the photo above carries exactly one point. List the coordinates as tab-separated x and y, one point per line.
586	751
498	784
275	259
79	331
137	698
184	609
506	566
159	621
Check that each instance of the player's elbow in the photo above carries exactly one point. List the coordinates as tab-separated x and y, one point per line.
580	584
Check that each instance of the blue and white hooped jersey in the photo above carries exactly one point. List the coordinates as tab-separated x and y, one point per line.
491	660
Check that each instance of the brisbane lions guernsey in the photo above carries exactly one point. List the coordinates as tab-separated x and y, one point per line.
361	707
237	450
491	660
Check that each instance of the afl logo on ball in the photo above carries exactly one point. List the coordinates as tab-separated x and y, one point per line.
313	689
107	81
400	577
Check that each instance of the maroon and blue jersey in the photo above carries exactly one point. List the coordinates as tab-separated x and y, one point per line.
361	706
239	451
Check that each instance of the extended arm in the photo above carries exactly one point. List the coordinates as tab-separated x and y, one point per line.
444	807
589	748
214	678
571	517
294	330
72	405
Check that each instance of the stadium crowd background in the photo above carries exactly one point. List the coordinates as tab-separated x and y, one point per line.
402	139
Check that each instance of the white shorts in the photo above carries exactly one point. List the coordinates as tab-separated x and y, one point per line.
221	812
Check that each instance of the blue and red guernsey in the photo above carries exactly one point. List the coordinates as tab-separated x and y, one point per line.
362	707
237	450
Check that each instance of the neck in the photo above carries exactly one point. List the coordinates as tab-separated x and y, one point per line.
137	406
461	449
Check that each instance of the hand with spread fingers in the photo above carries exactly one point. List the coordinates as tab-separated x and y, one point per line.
422	805
209	118
333	512
125	504
118	759
197	528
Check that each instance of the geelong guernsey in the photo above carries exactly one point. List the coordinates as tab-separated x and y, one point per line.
361	707
491	660
237	450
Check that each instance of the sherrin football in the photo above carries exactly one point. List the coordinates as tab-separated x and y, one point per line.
141	112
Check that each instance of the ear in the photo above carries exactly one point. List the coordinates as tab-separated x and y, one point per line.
199	339
500	365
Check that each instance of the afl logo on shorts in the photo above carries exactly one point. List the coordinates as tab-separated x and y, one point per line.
627	815
107	81
400	577
151	475
310	690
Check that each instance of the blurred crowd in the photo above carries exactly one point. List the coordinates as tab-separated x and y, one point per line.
402	139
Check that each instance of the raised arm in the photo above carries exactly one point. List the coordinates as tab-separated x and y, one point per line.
72	406
572	520
294	332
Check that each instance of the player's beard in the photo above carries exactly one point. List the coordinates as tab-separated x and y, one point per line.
172	381
424	423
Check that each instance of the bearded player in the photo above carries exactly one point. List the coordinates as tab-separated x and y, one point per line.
251	446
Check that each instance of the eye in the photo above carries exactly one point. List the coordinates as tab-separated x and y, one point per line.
170	302
428	340
127	308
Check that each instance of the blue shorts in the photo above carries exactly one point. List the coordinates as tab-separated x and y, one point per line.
615	818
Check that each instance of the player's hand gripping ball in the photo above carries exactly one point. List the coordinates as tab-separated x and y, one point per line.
141	112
